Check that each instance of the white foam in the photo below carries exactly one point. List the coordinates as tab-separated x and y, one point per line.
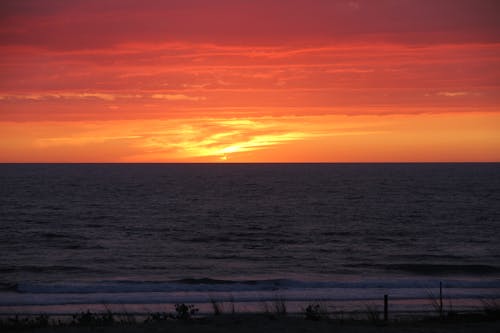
208	285
200	291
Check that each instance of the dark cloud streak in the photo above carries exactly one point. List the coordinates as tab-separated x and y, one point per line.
97	24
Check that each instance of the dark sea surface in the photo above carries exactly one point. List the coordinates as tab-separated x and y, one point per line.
139	236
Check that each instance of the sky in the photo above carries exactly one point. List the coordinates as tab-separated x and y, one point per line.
249	81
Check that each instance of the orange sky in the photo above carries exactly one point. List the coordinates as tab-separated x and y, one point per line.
249	81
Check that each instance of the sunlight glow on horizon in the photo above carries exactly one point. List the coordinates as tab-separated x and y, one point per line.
413	138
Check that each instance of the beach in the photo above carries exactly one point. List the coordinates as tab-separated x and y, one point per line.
266	323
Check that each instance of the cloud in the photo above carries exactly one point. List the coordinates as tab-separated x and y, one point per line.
282	79
227	138
350	70
309	138
353	4
178	97
452	93
80	140
67	95
105	97
101	24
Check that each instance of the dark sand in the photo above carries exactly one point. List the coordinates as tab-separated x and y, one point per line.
262	323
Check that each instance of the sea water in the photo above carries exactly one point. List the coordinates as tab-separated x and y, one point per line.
140	237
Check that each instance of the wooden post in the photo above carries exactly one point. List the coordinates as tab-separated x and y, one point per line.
386	307
440	299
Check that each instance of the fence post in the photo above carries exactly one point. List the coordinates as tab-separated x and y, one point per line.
440	299
386	307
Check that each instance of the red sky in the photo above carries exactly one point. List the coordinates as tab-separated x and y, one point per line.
247	81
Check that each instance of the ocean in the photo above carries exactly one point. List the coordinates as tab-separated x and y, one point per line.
142	237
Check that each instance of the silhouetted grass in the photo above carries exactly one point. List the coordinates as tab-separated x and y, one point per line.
276	307
372	313
156	317
94	319
316	311
185	311
491	308
217	307
18	322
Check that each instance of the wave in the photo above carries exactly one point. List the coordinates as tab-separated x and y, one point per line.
220	285
433	269
294	295
193	290
45	268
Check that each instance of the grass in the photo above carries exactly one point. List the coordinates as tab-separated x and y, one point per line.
221	308
436	301
273	310
16	322
185	311
316	311
217	307
94	319
128	318
491	307
277	307
156	317
372	313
